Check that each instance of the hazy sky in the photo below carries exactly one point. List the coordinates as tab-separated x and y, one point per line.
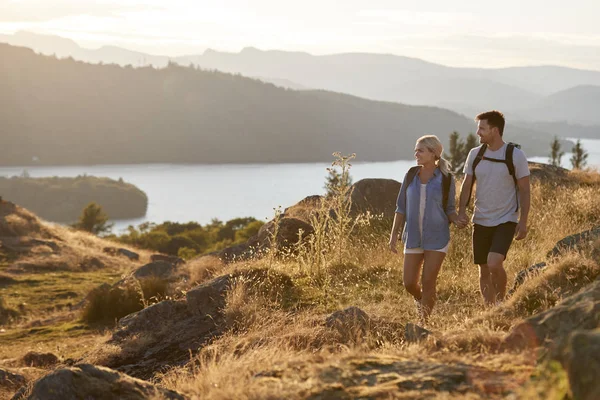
460	32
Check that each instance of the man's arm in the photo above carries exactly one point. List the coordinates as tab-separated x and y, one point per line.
465	190
524	202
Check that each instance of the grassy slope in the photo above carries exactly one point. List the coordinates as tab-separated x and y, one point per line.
274	350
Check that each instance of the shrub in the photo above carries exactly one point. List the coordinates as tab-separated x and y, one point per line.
106	304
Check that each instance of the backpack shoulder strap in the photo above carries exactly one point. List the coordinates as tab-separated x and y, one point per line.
477	160
510	149
446	181
410	175
479	157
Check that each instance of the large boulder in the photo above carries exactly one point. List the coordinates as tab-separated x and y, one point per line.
377	196
171	330
583	364
552	327
157	269
86	381
526	274
288	231
167	258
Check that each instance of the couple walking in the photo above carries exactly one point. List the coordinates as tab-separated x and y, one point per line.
426	206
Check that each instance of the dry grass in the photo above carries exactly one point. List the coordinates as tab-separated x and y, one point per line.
279	347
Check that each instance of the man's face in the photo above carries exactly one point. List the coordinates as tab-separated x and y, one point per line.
485	131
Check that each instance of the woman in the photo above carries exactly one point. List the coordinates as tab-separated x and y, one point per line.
423	215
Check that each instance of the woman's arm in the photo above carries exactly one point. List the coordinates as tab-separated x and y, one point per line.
397	228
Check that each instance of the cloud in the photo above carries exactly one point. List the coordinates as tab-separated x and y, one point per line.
44	10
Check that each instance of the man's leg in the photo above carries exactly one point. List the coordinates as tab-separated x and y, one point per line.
503	237
482	241
488	290
497	275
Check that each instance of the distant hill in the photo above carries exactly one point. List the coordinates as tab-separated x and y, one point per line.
70	112
63	199
579	104
386	77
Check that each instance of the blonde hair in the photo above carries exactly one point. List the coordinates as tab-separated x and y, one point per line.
433	144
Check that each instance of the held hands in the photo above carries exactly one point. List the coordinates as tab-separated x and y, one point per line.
461	220
521	230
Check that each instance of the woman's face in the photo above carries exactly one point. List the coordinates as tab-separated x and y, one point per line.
423	155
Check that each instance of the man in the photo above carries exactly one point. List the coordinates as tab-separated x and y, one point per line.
501	202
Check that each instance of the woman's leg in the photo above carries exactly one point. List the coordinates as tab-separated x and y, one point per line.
432	264
412	271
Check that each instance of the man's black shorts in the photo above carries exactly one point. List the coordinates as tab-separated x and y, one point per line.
492	239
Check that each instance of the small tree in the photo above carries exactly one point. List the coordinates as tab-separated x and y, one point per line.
456	151
579	157
459	150
471	143
93	219
336	180
555	153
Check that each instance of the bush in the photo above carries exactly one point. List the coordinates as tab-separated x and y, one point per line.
107	304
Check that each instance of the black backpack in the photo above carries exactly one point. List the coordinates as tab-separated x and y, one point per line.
446	180
508	161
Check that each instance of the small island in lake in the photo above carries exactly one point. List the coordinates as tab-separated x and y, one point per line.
60	199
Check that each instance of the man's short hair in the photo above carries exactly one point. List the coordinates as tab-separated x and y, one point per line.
494	118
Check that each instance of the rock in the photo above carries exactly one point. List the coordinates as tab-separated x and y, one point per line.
10	380
583	364
209	297
352	323
414	333
35	359
129	254
50	244
238	252
91	263
146	319
166	258
574	241
287	233
548	173
86	381
172	330
303	209
524	274
552	327
159	269
113	251
375	195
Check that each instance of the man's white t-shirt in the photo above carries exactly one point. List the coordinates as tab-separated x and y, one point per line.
495	193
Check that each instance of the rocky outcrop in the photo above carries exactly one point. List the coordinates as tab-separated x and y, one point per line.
378	196
552	327
173	329
583	364
86	381
351	323
526	274
167	258
157	269
574	241
382	377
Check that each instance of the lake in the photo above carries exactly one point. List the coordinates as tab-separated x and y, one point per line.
200	192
